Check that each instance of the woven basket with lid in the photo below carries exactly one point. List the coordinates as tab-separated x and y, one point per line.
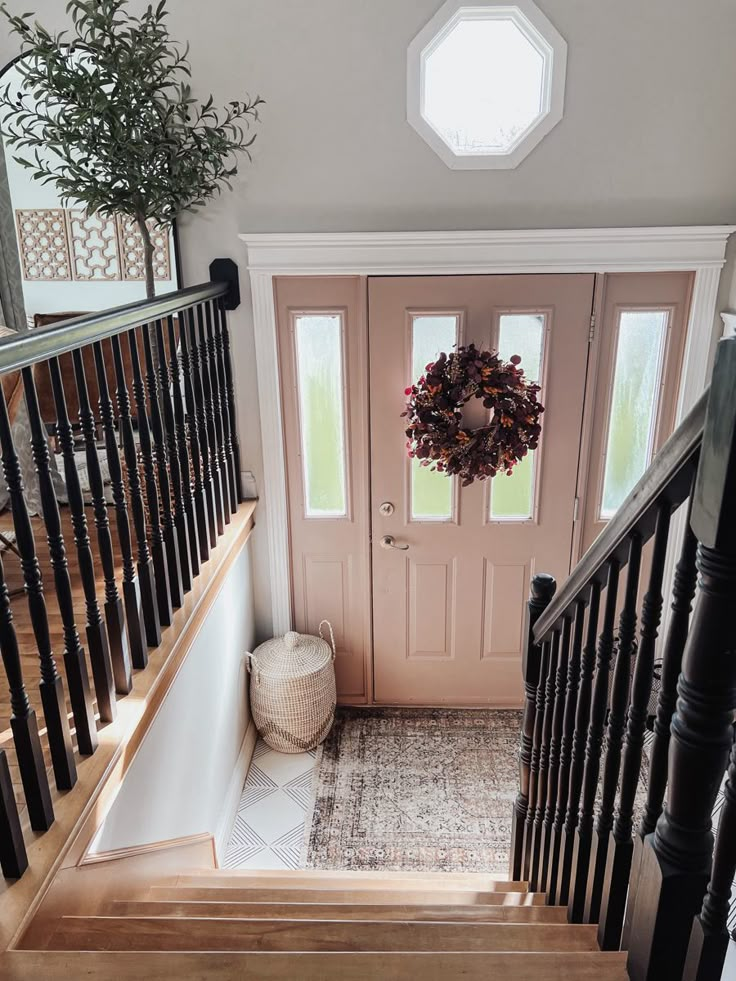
292	690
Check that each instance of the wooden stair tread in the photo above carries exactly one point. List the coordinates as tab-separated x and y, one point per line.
330	879
413	897
172	933
162	966
336	911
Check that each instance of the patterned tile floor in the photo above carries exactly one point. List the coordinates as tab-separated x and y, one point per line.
275	804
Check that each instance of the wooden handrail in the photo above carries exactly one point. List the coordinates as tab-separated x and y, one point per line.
27	348
668	478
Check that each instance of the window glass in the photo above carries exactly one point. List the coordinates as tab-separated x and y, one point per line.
512	498
484	85
319	369
431	492
632	417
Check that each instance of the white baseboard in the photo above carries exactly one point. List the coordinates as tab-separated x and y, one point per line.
234	792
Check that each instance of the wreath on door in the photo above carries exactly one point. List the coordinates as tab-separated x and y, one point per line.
435	433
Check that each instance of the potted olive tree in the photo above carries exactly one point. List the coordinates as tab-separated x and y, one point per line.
107	115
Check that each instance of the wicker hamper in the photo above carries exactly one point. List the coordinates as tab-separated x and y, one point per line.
292	690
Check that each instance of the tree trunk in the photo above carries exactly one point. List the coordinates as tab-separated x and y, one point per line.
150	283
147	256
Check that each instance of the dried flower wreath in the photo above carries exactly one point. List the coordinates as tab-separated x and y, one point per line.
435	433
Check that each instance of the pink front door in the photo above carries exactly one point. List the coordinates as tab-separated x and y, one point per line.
451	565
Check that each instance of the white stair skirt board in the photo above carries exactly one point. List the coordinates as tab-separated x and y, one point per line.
234	791
273	807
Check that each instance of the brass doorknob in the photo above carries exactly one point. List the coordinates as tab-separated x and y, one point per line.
388	541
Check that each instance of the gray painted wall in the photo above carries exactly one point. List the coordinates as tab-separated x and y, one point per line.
648	136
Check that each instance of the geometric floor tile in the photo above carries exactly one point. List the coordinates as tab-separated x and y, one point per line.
273	816
258	786
289	847
269	827
300	789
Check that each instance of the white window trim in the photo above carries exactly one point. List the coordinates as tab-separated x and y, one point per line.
545	35
700	249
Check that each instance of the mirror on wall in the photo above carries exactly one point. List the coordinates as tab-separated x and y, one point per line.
69	260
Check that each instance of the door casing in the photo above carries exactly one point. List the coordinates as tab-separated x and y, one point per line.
699	249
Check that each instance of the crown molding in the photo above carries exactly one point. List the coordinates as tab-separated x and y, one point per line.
525	250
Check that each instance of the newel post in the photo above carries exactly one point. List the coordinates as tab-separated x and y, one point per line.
542	590
677	857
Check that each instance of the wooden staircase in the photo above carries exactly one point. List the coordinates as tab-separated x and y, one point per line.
217	925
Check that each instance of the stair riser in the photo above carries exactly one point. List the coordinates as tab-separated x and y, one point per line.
150	934
315	911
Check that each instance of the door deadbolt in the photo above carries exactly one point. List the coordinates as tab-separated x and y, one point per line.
386	509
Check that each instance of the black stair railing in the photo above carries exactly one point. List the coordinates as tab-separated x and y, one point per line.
623	835
158	447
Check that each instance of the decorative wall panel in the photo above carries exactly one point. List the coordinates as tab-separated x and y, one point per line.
131	250
94	246
67	244
43	243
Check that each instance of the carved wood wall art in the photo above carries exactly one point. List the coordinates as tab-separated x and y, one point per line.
66	244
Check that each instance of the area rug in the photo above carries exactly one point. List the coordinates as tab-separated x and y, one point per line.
415	790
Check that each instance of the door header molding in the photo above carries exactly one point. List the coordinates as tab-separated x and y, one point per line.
515	251
697	248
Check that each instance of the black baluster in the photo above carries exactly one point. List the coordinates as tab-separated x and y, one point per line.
114	615
162	469
683	591
709	937
535	871
568	730
182	450
146	575
534	763
584	832
207	420
24	726
131	590
75	664
216	392
227	359
158	545
676	863
614	734
96	629
542	591
181	490
224	341
203	506
51	685
13	857
555	745
230	481
621	846
577	762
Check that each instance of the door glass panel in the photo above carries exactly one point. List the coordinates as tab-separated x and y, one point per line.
431	492
512	498
633	413
319	371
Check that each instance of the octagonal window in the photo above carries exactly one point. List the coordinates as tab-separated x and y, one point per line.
486	82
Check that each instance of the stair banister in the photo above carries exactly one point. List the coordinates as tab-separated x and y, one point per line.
677	858
151	432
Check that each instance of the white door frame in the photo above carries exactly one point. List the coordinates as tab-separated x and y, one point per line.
700	249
